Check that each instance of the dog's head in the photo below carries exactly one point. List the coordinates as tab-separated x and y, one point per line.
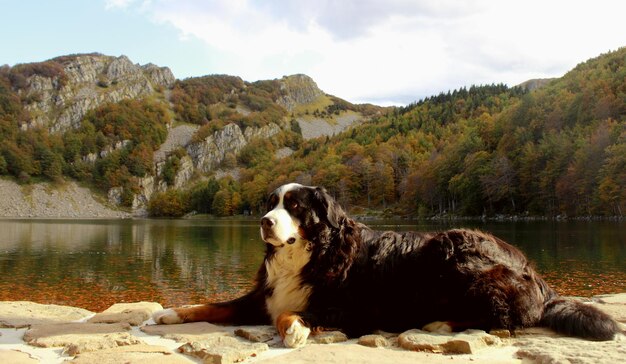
294	212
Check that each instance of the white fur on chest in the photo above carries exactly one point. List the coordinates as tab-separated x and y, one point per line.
283	276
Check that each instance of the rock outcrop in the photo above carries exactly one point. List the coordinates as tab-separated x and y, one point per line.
58	93
210	152
88	81
297	90
127	336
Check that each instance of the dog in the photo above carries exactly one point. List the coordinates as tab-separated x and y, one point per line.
323	270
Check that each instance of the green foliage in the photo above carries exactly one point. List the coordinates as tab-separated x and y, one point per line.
201	196
560	149
49	69
192	97
211	101
482	150
3	165
140	121
172	203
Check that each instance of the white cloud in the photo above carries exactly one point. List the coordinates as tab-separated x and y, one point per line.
113	4
397	50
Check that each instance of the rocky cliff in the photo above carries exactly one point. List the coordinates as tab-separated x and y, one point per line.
202	157
57	94
298	90
59	102
210	152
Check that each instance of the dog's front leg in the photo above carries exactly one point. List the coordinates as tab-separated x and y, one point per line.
292	329
246	310
208	312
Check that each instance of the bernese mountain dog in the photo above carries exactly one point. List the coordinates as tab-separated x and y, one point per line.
323	270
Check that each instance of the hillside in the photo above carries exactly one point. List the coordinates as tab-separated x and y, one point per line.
218	144
131	131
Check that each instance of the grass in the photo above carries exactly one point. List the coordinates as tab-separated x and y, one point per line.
320	104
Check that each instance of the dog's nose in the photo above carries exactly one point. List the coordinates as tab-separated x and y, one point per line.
267	223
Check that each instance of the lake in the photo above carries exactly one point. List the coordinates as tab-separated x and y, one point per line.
95	263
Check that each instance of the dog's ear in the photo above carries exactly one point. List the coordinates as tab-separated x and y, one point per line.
330	208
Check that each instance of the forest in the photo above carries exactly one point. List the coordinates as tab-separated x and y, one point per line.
485	150
479	151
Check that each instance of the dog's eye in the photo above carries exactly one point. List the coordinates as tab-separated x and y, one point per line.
293	205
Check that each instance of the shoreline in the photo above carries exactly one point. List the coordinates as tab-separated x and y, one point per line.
45	200
125	332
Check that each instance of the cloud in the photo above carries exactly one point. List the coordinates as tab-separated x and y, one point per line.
366	50
113	4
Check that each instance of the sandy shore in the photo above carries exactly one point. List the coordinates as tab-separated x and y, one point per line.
35	333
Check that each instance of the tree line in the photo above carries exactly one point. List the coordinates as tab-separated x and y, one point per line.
482	150
486	150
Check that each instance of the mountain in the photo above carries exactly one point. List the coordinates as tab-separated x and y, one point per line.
533	84
131	131
218	144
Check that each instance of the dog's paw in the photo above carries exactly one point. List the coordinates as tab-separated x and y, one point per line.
440	327
296	335
167	317
291	329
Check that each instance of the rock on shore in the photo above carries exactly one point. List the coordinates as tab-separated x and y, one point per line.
36	333
45	201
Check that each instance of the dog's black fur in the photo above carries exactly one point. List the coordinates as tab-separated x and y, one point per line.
362	280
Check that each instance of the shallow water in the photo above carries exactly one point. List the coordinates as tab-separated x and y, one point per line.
95	263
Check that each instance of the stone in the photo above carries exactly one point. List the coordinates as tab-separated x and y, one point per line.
183	332
49	335
135	354
20	314
612	304
353	353
312	127
570	350
373	341
617	311
76	344
466	342
132	313
501	333
536	331
297	90
16	357
210	152
328	337
184	173
257	334
618	298
220	348
61	107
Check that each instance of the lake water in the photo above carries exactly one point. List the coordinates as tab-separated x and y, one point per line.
95	263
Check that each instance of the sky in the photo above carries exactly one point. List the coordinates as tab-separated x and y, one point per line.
385	52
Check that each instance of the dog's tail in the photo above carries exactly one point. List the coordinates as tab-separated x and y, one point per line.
574	318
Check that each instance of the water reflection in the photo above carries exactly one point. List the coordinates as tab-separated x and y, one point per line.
94	263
